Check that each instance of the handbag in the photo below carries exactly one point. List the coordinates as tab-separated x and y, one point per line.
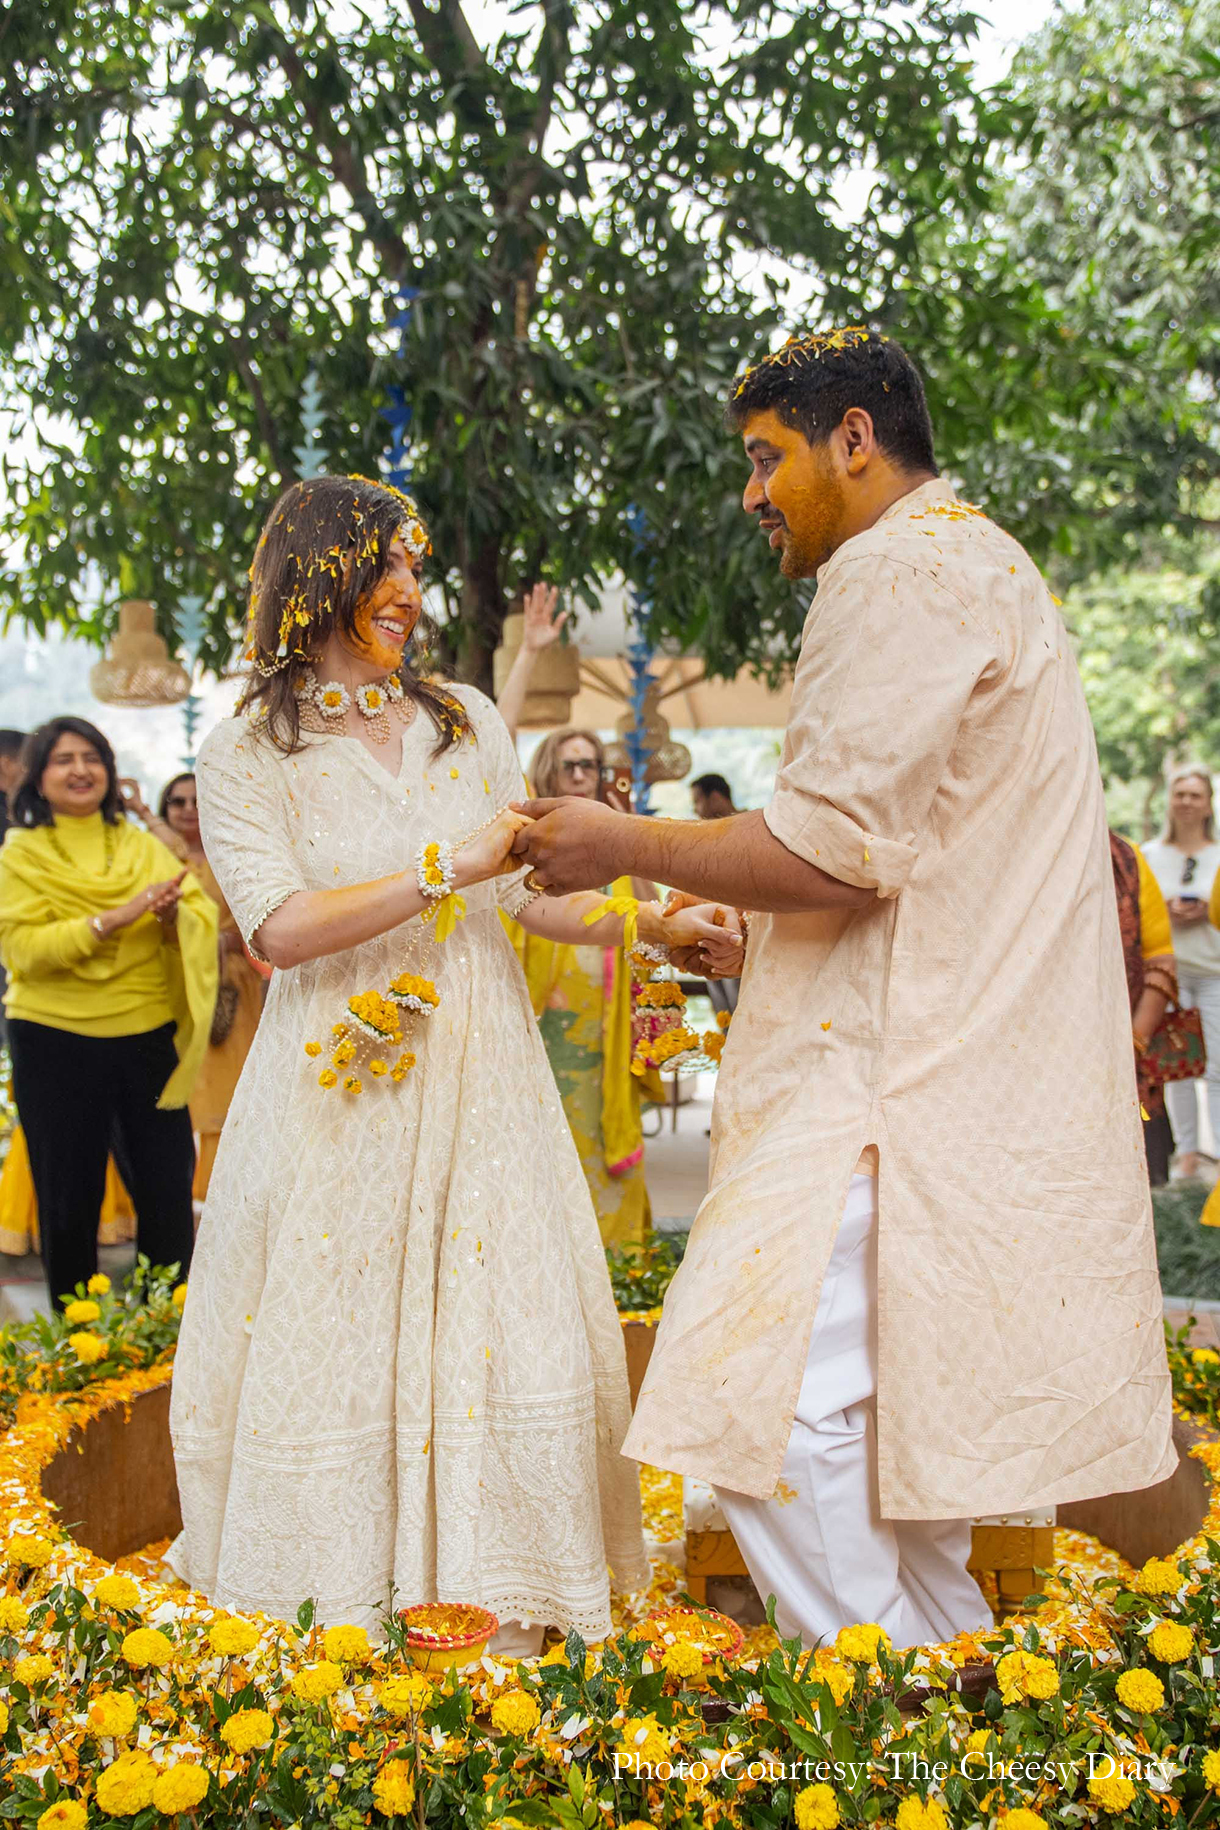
223	1014
1176	1050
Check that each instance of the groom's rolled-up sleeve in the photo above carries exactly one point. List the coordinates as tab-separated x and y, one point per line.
888	663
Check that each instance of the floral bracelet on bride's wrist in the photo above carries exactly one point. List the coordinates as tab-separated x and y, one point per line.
434	869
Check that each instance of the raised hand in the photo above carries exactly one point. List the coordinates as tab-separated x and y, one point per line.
542	626
133	800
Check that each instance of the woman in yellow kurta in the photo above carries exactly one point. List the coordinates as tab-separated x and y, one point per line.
582	999
110	951
176	824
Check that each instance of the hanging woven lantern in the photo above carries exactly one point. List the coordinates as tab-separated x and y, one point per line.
137	669
668	761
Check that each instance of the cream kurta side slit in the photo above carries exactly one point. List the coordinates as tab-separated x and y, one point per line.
400	1366
972	1022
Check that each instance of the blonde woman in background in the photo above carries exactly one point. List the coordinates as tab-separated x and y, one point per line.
239	1000
582	999
1185	861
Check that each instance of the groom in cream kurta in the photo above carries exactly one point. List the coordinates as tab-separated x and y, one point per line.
942	1006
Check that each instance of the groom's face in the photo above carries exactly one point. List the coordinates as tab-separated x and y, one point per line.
796	491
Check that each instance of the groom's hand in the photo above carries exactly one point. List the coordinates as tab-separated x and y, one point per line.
570	843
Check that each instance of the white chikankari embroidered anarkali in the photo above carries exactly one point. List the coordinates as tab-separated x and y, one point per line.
400	1365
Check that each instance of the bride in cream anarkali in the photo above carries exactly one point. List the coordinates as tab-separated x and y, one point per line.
400	1366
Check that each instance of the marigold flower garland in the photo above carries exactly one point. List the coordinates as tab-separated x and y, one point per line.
372	1027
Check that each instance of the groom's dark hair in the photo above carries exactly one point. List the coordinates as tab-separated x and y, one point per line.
813	380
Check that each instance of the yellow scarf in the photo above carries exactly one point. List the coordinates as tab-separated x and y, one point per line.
545	962
42	884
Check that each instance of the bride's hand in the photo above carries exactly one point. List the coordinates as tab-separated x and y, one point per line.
705	937
489	853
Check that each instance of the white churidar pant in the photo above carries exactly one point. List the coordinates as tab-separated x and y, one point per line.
819	1545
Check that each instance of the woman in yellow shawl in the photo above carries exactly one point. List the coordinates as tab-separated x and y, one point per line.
110	950
582	999
176	824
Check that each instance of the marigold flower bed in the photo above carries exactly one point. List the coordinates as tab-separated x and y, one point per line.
126	1699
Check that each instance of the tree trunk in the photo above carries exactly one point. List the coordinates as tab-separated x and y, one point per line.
482	617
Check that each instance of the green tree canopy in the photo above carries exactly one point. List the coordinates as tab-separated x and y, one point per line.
203	204
205	201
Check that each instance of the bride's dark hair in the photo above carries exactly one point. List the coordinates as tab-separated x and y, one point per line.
324	548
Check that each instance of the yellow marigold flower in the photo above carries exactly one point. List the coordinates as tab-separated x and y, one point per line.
1025	1674
394	1789
64	1814
1112	1791
402	1067
116	1592
247	1729
1211	1771
643	1737
682	1660
1158	1577
860	1643
126	1786
1141	1691
313	1049
347	1645
112	1712
327	1078
36	1668
515	1713
816	1808
1021	1819
405	1695
1205	1356
30	1552
353	1084
98	1284
314	1683
147	1646
232	1638
921	1814
977	1742
3	1718
1171	1642
179	1788
378	1068
14	1615
178	1296
88	1348
824	1669
77	1313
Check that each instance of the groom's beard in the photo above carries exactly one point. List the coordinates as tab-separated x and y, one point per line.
811	518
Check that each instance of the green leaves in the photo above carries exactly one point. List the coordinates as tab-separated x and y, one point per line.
204	204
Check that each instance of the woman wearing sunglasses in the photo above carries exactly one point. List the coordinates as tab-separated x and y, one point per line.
1185	861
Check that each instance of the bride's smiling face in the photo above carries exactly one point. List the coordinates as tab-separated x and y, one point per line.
385	621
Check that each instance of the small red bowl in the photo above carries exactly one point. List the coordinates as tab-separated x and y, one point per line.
439	1634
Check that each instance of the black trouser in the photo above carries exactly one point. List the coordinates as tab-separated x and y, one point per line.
75	1096
1158	1148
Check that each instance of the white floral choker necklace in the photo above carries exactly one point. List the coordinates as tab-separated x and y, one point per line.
329	701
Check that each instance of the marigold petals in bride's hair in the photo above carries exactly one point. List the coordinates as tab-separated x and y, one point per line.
322	554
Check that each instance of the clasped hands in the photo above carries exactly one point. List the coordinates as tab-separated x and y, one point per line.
703	937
